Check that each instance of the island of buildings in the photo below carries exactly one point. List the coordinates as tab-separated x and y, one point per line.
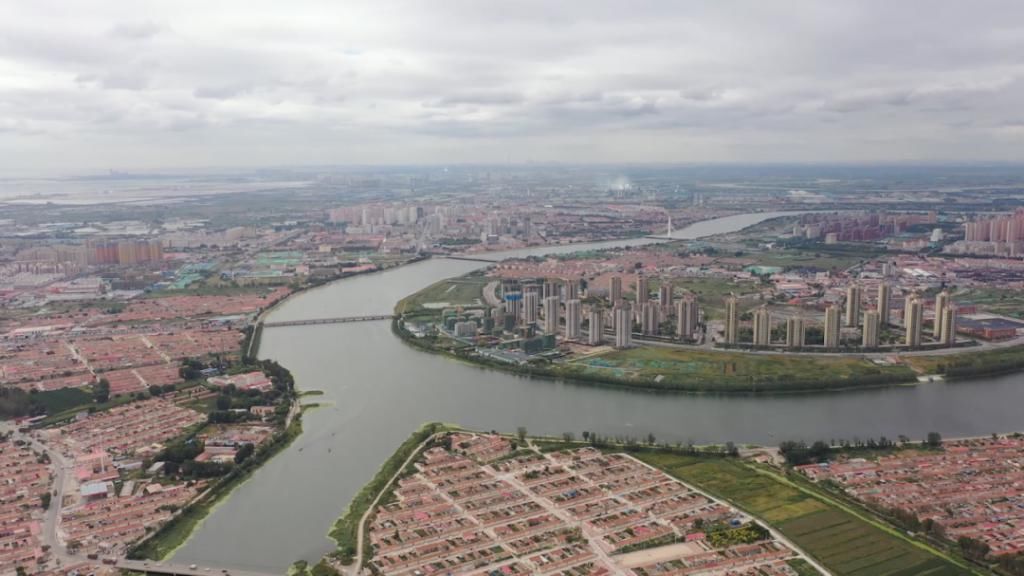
649	316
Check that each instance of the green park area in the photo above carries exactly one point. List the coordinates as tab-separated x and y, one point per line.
847	541
970	364
825	258
462	291
706	370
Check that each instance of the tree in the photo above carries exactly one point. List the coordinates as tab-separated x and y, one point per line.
974	549
521	434
586	436
101	391
44	500
223	402
244	452
934	440
651	439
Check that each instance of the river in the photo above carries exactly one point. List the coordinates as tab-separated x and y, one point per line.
380	390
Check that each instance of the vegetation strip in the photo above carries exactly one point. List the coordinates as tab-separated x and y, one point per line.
346	529
825	529
177	531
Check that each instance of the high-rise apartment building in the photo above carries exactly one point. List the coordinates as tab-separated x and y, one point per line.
686	318
531	303
948	334
795	334
623	325
762	327
732	320
615	290
942	301
595	336
913	318
665	296
643	289
884	296
650	318
573	317
551	309
853	296
572	290
832	327
872	321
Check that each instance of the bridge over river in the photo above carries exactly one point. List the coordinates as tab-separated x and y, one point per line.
169	569
338	320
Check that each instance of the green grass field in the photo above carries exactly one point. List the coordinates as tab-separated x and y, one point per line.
461	291
678	368
845	543
789	259
971	363
711	292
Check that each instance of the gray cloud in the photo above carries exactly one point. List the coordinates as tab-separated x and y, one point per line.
260	82
135	30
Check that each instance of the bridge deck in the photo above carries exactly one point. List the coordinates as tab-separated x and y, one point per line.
169	569
473	259
340	320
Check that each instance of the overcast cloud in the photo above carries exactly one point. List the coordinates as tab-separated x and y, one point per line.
142	85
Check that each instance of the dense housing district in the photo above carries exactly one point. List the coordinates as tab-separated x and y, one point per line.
475	505
86	487
968	491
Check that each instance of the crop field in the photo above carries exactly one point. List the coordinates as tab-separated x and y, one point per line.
707	370
843	542
996	300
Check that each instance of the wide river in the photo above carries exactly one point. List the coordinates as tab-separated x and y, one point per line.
380	390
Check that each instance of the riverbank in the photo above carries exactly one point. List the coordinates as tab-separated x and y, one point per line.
971	365
778	375
347	530
162	543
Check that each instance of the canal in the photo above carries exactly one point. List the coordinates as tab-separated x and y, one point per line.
378	390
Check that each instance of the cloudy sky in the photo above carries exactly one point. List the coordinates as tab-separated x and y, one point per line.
140	85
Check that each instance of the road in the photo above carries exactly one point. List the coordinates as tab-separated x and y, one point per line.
62	479
154	567
353	569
